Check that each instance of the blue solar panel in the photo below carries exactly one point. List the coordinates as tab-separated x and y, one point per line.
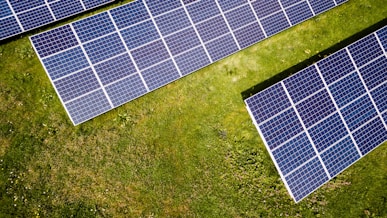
192	60
159	41
94	27
222	47
134	35
276	134
49	43
65	63
130	14
70	87
379	96
269	103
365	50
328	132
275	23
265	8
306	179
5	10
182	41
320	6
150	54
173	21
294	153
299	12
212	28
73	7
359	112
336	66
17	16
202	10
374	73
249	35
88	106
9	27
235	19
382	35
370	136
304	83
315	108
339	115
160	75
115	69
104	48
340	156
125	90
347	89
35	18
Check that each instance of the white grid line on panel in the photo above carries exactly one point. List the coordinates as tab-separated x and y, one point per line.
128	51
228	25
91	64
366	88
365	124
301	165
83	5
29	9
338	110
306	131
334	144
335	2
52	82
380	43
83	95
315	124
196	31
202	21
70	74
49	8
270	153
286	15
162	39
175	9
256	17
3	18
15	15
311	9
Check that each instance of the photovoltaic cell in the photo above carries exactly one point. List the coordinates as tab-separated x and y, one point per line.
158	41
338	115
27	15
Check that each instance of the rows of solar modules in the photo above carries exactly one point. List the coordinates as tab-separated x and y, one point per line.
319	121
18	16
105	60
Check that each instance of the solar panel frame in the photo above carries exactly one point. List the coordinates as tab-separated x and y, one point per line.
131	16
21	12
333	142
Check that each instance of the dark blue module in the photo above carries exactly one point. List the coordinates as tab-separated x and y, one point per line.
321	120
18	16
141	46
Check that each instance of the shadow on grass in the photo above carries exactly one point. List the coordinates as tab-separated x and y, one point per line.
281	76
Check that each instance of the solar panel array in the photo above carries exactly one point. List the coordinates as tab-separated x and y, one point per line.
105	60
17	16
321	120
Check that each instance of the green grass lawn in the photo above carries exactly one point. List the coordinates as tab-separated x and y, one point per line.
188	149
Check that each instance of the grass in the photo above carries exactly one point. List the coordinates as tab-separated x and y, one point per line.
186	150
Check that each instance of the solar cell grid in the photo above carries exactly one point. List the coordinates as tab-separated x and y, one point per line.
19	16
344	118
184	35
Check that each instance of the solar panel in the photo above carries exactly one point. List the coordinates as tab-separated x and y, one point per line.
327	116
18	16
157	42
